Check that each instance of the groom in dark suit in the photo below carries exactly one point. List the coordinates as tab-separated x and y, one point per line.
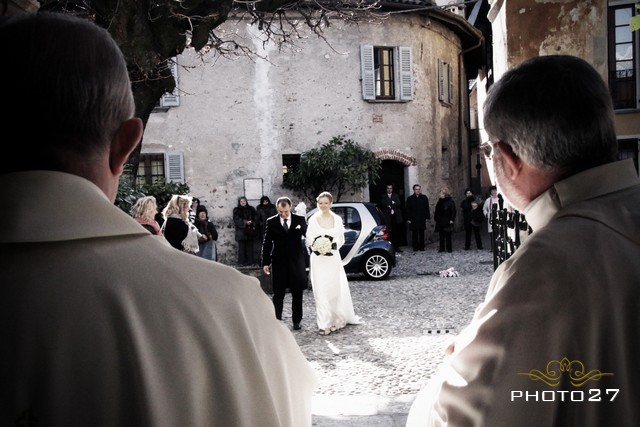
283	256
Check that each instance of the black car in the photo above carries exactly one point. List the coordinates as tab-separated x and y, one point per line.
366	248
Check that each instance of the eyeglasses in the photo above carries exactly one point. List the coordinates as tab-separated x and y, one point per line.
486	148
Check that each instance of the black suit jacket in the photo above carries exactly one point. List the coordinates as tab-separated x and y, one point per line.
285	253
386	205
418	211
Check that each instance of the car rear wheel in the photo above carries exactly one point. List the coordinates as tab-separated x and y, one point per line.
376	266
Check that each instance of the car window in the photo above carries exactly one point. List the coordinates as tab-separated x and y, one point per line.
379	217
350	217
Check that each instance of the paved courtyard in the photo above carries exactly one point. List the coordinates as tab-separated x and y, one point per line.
369	374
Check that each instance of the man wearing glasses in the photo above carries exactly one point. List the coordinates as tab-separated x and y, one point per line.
556	340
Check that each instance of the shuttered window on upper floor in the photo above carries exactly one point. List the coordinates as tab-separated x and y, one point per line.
445	82
386	73
171	99
154	167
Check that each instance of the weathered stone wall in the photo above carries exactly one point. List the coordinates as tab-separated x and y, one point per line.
238	117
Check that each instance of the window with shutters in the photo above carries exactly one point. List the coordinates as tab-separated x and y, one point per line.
150	169
445	82
154	167
386	73
624	51
171	99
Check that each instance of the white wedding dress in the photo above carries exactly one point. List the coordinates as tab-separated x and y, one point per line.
334	307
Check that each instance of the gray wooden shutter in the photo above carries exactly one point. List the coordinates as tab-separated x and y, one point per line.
172	99
368	76
174	167
406	74
450	77
440	81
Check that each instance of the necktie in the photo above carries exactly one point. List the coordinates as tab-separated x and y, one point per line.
285	225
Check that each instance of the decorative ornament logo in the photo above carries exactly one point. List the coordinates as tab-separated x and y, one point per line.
556	369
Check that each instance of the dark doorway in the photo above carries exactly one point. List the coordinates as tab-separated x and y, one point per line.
392	173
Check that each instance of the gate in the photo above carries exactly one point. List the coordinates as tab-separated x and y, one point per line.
506	227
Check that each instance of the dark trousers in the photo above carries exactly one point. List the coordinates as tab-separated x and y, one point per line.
445	241
394	235
467	236
245	252
417	240
296	304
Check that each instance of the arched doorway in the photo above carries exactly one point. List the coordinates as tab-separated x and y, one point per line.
392	173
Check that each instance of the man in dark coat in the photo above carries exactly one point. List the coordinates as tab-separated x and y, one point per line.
390	207
417	215
283	256
466	208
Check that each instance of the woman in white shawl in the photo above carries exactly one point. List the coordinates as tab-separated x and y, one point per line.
325	236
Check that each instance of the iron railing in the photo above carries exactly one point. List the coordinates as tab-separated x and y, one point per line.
506	227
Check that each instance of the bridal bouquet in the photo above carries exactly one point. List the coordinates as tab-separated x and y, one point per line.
322	245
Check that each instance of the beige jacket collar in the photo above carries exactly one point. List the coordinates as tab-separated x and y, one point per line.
585	185
47	206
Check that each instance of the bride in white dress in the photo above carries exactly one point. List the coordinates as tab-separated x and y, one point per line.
325	235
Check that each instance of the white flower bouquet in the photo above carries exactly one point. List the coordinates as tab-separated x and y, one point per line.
323	245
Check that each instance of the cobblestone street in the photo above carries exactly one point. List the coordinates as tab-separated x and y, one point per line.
370	373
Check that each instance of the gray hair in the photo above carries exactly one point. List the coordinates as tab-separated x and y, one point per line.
555	112
69	89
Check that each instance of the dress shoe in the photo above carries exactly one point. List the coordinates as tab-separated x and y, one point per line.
296	326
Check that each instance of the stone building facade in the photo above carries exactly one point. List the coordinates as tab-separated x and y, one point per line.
237	123
595	30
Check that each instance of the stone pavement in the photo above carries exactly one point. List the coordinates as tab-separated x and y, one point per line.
369	374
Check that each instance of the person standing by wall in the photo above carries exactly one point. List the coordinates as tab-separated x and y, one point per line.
176	227
466	208
209	234
418	213
477	219
487	208
193	209
445	217
244	218
265	210
104	324
144	211
555	341
283	257
391	208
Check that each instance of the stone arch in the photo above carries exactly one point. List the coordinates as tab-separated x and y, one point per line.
398	156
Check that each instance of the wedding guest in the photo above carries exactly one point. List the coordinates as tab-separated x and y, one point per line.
489	204
301	209
209	234
144	211
555	342
264	211
104	324
476	221
325	236
195	202
417	215
176	224
391	208
465	206
244	218
283	258
445	217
